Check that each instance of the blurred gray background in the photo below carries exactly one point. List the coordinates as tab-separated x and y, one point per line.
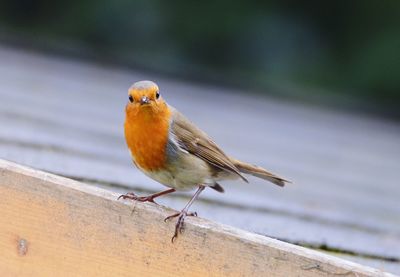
339	53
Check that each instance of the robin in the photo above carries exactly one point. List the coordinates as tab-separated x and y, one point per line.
172	150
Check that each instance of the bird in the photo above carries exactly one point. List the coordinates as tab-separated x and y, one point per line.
167	147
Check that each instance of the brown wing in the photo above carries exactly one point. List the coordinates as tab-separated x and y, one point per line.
196	142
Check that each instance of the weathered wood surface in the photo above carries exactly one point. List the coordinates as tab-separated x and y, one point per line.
66	117
54	226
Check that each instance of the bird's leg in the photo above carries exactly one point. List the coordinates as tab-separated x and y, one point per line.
149	198
184	213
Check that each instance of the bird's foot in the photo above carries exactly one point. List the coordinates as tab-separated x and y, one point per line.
132	196
179	226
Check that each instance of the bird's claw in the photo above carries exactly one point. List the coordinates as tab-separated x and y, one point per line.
132	196
179	226
129	195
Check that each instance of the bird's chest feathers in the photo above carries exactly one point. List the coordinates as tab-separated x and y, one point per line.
147	136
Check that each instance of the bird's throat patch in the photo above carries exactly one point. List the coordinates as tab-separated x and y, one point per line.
146	134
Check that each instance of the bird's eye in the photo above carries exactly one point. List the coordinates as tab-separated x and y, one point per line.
130	98
157	94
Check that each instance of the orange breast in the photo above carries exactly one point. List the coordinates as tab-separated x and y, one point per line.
146	134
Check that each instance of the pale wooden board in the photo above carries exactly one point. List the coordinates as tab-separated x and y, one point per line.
66	117
53	226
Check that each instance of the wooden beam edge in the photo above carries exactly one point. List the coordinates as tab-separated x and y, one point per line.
316	262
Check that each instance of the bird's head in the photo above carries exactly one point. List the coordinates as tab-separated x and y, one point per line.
144	96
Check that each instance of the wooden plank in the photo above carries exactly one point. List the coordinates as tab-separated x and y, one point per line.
272	222
55	226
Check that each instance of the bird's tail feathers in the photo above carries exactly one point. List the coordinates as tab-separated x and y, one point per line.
259	172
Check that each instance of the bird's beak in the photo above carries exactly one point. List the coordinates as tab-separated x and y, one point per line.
144	100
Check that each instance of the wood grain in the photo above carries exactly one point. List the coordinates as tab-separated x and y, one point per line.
53	226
